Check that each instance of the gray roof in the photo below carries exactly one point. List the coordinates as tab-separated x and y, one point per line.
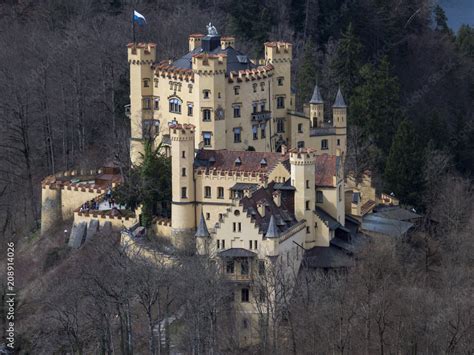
327	219
241	186
397	213
272	231
339	102
236	253
236	60
202	230
390	227
316	98
327	257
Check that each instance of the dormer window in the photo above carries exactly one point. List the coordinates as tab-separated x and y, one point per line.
237	161
263	163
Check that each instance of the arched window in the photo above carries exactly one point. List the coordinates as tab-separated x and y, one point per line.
175	105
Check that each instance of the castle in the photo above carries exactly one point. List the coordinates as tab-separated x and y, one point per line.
255	184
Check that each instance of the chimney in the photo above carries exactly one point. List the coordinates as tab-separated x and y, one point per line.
284	149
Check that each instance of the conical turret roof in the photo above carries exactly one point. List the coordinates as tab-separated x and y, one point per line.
272	231
202	231
339	102
316	98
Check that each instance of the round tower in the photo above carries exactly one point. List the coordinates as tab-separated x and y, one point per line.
303	172
339	121
183	218
141	57
50	206
316	108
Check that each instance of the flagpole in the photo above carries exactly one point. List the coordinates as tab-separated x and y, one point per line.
133	27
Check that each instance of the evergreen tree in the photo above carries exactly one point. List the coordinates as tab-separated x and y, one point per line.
465	41
307	74
375	105
403	170
348	61
441	22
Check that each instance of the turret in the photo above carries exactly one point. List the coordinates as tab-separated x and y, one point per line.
303	172
339	121
195	41
316	108
272	238
227	41
203	237
183	220
279	54
141	57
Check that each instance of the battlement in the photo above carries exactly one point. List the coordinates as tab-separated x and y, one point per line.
302	156
278	51
258	73
182	132
227	41
165	70
205	63
141	53
195	40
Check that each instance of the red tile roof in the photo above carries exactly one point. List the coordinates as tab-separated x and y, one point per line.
326	168
249	160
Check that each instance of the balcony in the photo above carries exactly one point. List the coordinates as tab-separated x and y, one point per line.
127	110
261	116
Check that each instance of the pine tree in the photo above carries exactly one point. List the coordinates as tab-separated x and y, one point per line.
375	105
348	61
307	74
403	170
465	40
441	22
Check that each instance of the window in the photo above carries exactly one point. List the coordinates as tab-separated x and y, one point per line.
237	111
244	267
280	102
237	227
250	244
338	142
220	192
146	83
300	128
183	172
307	205
307	230
339	192
184	192
190	87
190	109
221	217
262	106
319	196
183	154
254	87
280	125
237	135
146	104
207	192
254	107
207	138
261	267
223	243
324	144
206	115
245	295
156	83
255	244
307	184
245	323
236	90
280	81
229	266
255	131
262	131
261	296
300	144
220	244
262	86
156	103
206	94
208	216
175	105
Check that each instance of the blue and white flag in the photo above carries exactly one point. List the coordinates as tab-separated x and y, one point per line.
138	18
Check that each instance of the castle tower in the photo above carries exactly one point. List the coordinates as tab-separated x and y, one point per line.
303	172
195	41
183	220
141	56
339	121
279	54
316	108
50	207
210	84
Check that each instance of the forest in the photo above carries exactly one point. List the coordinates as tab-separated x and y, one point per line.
408	80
